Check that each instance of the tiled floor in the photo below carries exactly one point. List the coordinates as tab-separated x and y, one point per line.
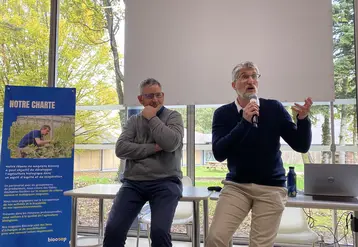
132	242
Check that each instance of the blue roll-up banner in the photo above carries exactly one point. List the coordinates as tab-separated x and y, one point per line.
36	166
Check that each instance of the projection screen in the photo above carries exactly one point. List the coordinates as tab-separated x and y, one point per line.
192	46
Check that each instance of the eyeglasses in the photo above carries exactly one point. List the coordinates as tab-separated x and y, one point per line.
245	77
152	95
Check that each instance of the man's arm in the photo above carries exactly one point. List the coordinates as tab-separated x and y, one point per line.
169	137
41	142
299	136
223	137
126	148
37	137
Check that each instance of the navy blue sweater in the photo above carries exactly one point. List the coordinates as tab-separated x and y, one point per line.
253	154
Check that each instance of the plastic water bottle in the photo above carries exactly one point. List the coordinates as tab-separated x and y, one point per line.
291	182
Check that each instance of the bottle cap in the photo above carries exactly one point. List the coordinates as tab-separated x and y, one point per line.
292	167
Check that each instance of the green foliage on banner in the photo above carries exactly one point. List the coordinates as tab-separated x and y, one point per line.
17	131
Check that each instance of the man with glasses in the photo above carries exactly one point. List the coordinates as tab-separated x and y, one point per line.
256	177
151	143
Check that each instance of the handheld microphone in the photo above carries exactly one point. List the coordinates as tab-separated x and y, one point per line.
254	120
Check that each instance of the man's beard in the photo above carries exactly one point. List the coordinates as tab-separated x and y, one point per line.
245	95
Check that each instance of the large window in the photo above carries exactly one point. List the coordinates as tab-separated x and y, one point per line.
99	164
24	43
90	59
344	116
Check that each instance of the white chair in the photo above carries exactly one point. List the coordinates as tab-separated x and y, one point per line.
294	229
183	214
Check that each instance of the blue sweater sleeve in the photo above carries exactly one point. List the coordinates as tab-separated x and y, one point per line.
298	137
223	136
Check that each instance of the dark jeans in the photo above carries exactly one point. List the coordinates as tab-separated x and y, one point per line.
163	196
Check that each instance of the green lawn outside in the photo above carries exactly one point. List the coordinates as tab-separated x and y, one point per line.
84	180
94	180
207	177
220	171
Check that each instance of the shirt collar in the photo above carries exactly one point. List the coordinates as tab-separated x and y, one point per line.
239	106
160	110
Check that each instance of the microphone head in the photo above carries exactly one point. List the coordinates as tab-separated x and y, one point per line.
253	97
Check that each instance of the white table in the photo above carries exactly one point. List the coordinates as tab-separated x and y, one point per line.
304	201
109	191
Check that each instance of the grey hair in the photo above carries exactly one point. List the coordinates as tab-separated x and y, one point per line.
148	82
236	71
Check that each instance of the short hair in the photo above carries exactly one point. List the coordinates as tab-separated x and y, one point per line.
237	68
45	127
148	82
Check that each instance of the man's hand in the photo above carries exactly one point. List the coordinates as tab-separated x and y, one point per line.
150	112
157	148
304	110
250	110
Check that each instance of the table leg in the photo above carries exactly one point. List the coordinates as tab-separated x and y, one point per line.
74	222
100	222
206	220
355	228
196	225
335	227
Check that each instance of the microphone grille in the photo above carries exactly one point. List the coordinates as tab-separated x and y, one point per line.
253	96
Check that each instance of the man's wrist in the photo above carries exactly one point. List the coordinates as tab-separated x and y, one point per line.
244	121
299	118
150	118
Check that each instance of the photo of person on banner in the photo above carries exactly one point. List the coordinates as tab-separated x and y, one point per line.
42	137
34	137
